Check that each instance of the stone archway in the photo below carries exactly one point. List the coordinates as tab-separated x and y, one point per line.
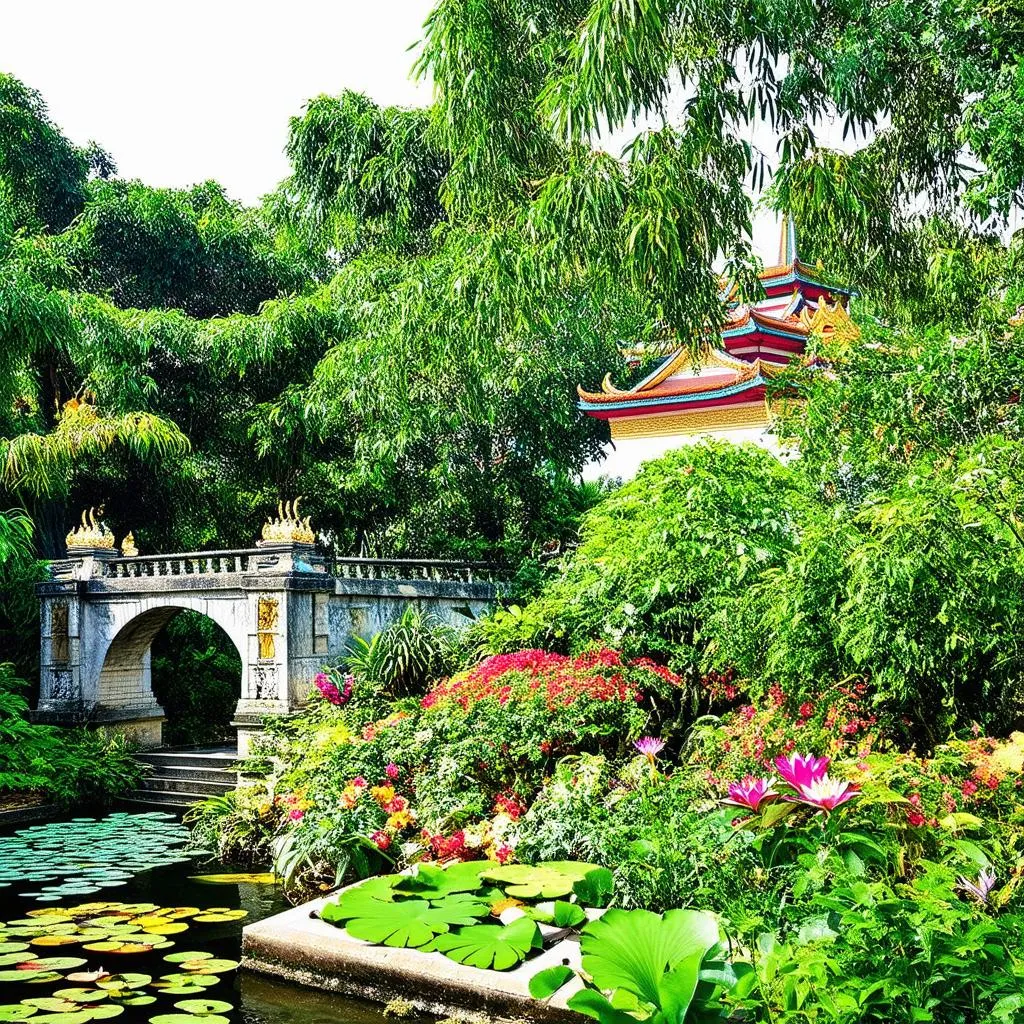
125	673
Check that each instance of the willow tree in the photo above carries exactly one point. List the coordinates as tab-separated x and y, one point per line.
929	92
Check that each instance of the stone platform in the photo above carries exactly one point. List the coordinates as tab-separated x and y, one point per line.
297	946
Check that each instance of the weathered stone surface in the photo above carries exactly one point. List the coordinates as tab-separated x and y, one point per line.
299	947
285	614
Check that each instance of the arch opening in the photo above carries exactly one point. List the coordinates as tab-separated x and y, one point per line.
178	661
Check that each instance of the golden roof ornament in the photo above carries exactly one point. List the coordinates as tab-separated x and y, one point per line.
128	548
288	527
829	320
92	533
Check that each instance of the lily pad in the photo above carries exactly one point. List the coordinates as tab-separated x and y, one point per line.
187	1018
16	1011
202	1007
547	880
430	882
491	946
238	878
180	958
414	923
209	965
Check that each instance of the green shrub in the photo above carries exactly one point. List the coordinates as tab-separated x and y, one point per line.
661	555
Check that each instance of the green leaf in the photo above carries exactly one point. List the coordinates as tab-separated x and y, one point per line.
676	989
633	949
595	888
595	1005
431	882
546	983
362	900
544	881
415	922
567	915
490	946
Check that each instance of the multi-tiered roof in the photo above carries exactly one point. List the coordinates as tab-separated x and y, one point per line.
726	389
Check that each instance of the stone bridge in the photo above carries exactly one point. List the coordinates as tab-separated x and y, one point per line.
285	608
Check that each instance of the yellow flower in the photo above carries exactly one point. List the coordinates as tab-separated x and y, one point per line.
383	794
400	820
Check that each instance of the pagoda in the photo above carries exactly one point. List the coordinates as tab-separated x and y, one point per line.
724	393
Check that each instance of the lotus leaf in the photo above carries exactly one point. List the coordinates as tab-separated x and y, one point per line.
57	963
16	1011
118	981
360	900
180	958
105	1012
67	1017
595	888
546	983
9	959
235	878
430	882
545	880
139	1000
655	958
208	965
33	976
202	1007
491	946
415	922
187	1018
50	1003
81	995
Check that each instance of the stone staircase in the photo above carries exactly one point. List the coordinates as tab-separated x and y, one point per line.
177	779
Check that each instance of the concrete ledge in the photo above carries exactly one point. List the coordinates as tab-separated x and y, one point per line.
299	947
29	815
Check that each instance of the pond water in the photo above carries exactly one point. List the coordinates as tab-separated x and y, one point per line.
117	893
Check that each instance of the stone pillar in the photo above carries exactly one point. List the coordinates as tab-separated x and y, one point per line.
286	583
69	685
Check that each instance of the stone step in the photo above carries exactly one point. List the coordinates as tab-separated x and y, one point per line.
185	773
189	759
163	800
197	788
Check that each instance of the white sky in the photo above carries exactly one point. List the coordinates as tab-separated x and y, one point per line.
182	92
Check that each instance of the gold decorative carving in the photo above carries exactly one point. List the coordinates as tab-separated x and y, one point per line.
288	527
92	533
829	320
128	548
698	422
266	627
59	643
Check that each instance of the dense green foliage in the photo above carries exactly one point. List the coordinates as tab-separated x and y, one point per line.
71	768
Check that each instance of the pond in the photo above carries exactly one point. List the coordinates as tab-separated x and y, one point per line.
118	893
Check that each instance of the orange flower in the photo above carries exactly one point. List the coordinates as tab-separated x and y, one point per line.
383	794
400	820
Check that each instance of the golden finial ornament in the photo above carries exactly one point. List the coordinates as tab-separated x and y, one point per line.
830	320
128	548
288	527
92	533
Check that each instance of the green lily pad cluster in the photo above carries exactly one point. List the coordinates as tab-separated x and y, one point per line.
105	931
86	855
451	910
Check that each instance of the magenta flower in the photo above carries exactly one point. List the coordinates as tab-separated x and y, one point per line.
826	794
650	747
980	889
751	793
800	771
392	770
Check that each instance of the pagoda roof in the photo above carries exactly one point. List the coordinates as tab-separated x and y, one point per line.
756	341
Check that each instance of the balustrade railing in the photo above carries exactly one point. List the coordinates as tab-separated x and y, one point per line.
397	569
185	563
201	563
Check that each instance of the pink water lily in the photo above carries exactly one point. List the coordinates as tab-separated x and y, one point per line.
980	889
751	793
799	771
826	793
649	746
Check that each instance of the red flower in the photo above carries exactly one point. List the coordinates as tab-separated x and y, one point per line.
806	709
915	819
382	839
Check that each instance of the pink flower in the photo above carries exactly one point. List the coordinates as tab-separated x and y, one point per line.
799	770
296	815
392	771
650	747
503	854
915	819
359	782
382	839
751	793
825	793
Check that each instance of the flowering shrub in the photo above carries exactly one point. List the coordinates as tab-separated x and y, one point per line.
331	692
534	705
836	722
